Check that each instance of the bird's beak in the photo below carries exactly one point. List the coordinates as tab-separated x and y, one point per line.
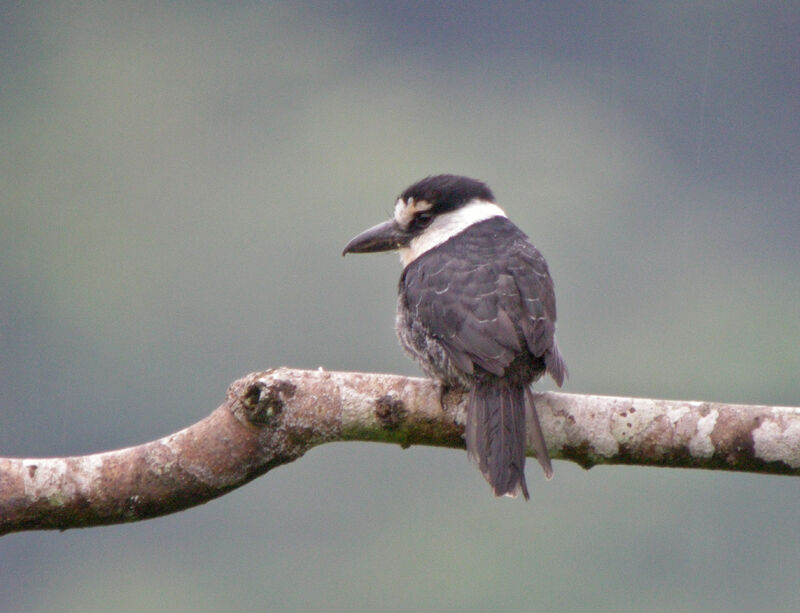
385	236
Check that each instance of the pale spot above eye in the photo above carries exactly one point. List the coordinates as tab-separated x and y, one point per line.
402	213
406	210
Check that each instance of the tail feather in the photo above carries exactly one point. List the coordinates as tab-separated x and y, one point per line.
535	435
496	435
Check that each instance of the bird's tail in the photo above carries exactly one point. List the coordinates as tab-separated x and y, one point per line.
535	435
501	420
496	434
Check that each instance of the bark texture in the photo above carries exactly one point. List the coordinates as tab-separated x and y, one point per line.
274	417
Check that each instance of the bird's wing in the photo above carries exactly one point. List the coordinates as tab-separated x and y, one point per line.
468	303
483	296
535	285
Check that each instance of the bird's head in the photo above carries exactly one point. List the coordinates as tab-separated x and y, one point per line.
427	214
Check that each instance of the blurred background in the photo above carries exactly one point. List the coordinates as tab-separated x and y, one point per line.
177	181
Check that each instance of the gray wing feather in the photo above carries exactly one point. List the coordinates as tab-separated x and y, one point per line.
483	298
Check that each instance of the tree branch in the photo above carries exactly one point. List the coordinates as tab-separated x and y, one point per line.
274	417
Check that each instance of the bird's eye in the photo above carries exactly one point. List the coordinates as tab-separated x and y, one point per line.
423	220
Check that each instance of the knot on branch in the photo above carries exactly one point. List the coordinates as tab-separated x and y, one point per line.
263	401
390	411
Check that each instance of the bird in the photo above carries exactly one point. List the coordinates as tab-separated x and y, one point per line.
476	308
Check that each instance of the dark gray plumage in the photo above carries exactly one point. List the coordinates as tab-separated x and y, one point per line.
478	312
